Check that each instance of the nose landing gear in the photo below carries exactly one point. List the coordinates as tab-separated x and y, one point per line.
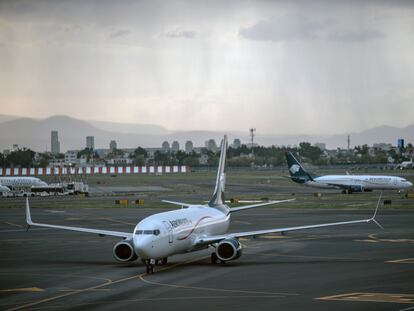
151	263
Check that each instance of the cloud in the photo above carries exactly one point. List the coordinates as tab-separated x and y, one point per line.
120	33
283	28
177	33
292	27
356	36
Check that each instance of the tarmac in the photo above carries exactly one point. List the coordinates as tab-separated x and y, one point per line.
355	267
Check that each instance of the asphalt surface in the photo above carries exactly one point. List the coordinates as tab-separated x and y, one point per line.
358	267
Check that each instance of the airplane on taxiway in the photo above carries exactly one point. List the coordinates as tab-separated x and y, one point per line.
194	227
11	182
347	183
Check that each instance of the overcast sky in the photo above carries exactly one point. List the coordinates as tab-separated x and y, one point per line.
313	67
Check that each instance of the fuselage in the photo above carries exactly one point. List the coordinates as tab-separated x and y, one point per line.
14	182
174	232
367	182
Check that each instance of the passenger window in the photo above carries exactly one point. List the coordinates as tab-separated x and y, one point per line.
139	232
147	231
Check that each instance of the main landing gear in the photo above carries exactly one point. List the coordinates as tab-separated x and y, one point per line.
151	263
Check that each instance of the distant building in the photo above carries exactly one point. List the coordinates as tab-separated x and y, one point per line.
211	145
189	146
165	146
90	142
71	156
112	146
383	146
55	143
175	146
321	146
236	144
203	159
400	143
6	152
15	147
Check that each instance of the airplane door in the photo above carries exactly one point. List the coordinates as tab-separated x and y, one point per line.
169	230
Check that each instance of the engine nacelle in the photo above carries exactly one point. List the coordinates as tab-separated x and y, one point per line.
124	251
356	188
228	249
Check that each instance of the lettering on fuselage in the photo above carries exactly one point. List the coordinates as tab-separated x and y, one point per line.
379	179
180	222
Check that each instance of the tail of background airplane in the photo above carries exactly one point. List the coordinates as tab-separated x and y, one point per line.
296	171
217	198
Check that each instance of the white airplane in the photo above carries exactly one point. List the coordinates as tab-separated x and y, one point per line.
13	182
188	229
349	183
406	164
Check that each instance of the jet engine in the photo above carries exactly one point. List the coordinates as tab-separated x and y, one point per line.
228	249
124	251
356	188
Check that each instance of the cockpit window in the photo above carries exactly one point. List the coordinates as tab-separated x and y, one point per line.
148	232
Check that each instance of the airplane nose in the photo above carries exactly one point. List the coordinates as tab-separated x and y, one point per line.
142	246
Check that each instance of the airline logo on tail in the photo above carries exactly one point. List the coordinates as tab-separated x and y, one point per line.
294	169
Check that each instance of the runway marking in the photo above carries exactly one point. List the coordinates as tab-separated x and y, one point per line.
280	295
108	282
155	300
117	221
72	218
12	224
373	239
310	257
407	260
25	289
372	297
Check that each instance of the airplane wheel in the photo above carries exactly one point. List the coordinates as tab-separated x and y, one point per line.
150	269
214	258
164	261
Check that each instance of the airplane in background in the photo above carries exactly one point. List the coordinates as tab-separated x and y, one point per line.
13	182
405	164
347	183
192	228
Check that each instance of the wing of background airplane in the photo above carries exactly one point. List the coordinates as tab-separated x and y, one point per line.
29	221
218	238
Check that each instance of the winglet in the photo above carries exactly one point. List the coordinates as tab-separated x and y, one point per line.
28	216
375	213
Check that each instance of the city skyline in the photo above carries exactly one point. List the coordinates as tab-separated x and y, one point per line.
293	67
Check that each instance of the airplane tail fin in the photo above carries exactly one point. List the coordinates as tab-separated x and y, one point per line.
218	195
296	171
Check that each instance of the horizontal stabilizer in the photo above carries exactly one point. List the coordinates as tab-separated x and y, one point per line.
240	208
177	203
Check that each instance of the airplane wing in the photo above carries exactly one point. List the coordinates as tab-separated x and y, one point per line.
177	203
240	208
214	239
29	222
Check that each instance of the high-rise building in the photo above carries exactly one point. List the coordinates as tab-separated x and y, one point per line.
90	142
236	143
189	146
112	146
175	146
55	144
165	146
211	145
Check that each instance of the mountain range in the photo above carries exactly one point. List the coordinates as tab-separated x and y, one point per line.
35	134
